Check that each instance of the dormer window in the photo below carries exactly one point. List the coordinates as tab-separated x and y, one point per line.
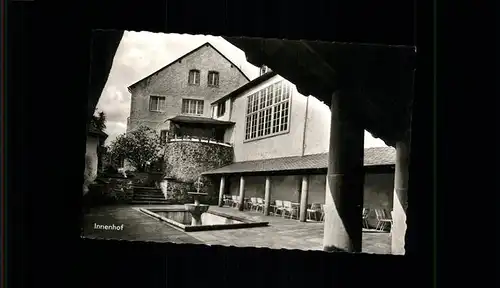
213	79
194	77
264	69
221	109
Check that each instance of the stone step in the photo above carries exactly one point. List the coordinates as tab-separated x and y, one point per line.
148	190
147	193
150	202
139	188
149	196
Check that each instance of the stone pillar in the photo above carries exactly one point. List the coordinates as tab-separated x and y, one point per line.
267	196
222	188
400	200
242	194
345	179
303	198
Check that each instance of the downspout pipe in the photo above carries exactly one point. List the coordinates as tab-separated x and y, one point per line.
305	127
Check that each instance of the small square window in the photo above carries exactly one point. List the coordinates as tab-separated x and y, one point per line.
213	79
156	103
194	77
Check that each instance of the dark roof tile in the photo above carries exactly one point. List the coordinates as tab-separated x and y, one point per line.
198	120
373	157
185	55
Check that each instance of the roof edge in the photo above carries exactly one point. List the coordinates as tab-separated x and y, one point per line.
185	55
216	121
214	172
246	87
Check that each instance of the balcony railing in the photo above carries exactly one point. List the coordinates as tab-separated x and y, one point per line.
177	138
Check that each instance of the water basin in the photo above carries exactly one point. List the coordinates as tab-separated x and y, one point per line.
211	220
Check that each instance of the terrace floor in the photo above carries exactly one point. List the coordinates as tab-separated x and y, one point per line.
280	234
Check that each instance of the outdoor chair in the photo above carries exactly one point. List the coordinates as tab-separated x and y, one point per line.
322	212
278	207
260	204
288	208
314	210
366	212
234	202
382	219
227	200
253	203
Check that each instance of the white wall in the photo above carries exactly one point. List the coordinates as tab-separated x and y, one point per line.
378	189
283	145
317	127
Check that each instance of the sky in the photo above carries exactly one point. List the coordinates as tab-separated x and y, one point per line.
142	53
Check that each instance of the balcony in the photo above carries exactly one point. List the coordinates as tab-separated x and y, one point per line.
188	138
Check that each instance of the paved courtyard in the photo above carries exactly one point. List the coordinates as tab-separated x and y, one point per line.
280	234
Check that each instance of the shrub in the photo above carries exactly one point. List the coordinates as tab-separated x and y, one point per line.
140	147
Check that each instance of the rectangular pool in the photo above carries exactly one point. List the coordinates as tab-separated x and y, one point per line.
211	220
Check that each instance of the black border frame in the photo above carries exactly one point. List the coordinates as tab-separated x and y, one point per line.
48	234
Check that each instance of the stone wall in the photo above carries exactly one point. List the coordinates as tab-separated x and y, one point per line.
186	160
110	190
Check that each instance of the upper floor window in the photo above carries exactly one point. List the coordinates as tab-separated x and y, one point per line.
221	109
213	78
194	77
192	106
156	103
268	111
163	136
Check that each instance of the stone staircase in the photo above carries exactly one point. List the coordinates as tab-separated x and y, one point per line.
148	196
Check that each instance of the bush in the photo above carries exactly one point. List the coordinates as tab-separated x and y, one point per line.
140	147
109	191
97	196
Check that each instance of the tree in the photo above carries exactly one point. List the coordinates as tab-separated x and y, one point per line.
99	121
139	147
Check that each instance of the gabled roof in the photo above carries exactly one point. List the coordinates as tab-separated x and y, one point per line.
246	87
374	156
185	55
198	120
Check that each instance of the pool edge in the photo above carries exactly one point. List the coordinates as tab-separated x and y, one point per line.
247	223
